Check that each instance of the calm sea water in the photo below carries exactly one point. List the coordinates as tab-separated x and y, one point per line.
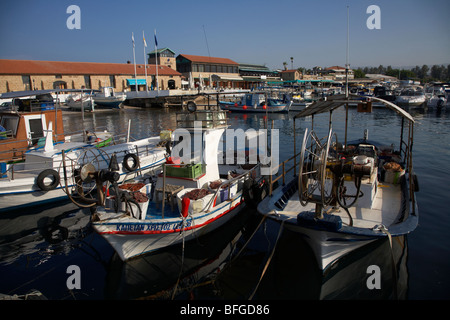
228	263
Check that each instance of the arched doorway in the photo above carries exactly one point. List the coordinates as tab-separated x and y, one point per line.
59	85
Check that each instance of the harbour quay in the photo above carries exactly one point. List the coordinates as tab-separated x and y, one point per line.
164	80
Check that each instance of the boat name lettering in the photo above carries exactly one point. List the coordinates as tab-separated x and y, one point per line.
151	227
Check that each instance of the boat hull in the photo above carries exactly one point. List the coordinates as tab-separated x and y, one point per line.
108	102
131	239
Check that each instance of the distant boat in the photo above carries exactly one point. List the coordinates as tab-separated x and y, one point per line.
299	103
256	102
108	98
80	101
411	97
436	96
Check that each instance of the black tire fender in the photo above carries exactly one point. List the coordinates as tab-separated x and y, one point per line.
135	162
44	174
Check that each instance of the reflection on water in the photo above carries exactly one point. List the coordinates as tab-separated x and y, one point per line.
36	247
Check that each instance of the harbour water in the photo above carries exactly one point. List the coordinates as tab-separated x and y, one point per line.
38	246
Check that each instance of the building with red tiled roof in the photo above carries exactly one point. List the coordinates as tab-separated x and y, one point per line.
209	71
18	75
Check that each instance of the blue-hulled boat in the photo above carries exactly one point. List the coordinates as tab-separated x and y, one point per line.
256	102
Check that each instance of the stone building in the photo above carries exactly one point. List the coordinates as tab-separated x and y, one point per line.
166	57
290	75
209	71
19	75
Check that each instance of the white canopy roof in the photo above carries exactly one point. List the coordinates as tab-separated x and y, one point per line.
333	102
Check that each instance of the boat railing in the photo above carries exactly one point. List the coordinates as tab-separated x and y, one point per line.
229	183
37	166
209	119
286	168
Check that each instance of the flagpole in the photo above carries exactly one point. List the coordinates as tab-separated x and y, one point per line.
156	63
145	61
134	61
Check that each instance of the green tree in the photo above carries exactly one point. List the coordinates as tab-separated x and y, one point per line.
359	73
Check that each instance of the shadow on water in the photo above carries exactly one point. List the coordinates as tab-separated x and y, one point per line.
229	264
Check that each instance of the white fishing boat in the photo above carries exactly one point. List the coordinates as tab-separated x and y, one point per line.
139	220
347	193
81	101
108	98
39	178
299	103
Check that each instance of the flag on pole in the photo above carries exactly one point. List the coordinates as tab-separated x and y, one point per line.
145	42
132	38
156	41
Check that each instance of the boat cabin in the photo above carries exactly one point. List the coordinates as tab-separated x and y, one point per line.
24	123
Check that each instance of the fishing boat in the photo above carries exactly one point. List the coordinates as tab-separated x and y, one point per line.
347	193
24	124
256	102
299	103
81	101
39	178
135	218
108	98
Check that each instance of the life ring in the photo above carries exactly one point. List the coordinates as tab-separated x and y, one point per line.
135	162
44	174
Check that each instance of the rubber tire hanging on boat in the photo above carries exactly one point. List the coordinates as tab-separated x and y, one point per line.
44	174
135	162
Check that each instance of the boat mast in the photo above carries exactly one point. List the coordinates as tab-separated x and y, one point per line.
346	81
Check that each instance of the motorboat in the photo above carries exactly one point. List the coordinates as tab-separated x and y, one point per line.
183	201
411	97
346	193
256	102
436	96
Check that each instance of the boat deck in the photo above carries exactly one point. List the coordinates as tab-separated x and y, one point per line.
385	208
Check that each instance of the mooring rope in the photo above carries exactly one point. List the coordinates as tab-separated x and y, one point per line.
383	229
182	259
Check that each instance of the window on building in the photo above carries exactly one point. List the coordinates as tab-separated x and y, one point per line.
201	68
26	82
112	81
213	68
87	81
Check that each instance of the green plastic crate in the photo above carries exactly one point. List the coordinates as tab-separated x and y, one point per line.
191	171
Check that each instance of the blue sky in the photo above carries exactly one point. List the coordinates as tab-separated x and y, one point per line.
246	31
